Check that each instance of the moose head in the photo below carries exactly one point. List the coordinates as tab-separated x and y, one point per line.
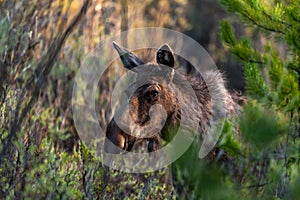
155	85
150	89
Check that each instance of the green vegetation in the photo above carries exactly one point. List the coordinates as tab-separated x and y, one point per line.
270	121
42	45
265	154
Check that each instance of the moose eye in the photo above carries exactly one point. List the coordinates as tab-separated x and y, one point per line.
154	93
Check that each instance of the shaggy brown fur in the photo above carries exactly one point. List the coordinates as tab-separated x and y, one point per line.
155	84
213	100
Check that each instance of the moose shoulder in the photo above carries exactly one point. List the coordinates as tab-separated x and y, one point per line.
153	87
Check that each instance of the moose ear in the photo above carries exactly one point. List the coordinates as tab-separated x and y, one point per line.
164	55
129	59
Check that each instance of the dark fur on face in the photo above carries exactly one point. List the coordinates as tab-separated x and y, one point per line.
148	95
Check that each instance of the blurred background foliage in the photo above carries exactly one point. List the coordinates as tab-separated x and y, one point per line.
44	42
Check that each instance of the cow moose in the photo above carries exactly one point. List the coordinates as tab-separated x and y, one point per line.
156	90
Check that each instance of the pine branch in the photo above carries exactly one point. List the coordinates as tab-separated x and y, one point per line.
256	23
276	20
